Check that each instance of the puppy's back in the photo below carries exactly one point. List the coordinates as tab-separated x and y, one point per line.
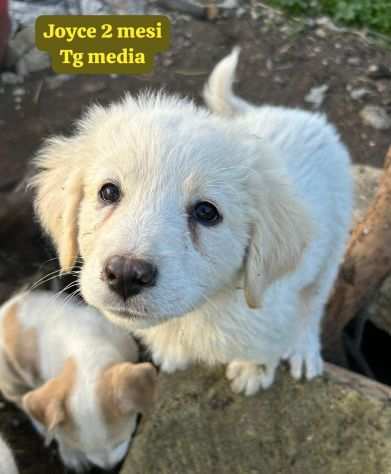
54	329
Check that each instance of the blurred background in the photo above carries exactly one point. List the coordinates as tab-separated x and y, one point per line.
331	56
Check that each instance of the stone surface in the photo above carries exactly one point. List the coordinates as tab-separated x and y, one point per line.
360	93
366	179
317	95
375	116
23	55
379	310
33	61
11	78
340	424
379	71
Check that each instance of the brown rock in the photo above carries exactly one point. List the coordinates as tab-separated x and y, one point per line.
366	180
379	310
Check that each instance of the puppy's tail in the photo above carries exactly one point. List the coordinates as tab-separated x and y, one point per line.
218	93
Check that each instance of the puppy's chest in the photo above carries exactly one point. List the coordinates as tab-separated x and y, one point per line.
193	341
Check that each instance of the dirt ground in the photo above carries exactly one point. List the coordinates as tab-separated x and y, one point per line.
280	63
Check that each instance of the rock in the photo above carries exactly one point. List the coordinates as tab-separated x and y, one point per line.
379	310
354	61
19	91
321	33
184	6
240	12
366	179
379	71
54	82
327	22
94	86
33	61
23	54
20	44
336	425
375	116
25	13
227	4
11	78
211	12
168	61
317	95
358	94
382	87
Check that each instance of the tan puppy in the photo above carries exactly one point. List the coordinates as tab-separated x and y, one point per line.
73	372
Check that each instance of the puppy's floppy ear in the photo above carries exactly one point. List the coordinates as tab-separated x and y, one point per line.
46	404
127	387
47	411
58	186
280	231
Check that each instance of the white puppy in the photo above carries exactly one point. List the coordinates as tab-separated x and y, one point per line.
7	460
72	372
215	237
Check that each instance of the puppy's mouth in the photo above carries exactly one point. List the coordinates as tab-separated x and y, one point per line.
128	313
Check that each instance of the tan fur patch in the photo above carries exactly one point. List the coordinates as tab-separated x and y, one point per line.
21	346
126	387
307	293
62	385
49	403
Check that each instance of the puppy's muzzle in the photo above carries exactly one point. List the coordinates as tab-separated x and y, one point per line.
128	276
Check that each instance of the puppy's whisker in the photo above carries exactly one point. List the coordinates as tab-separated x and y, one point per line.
45	278
47	261
72	295
52	276
68	287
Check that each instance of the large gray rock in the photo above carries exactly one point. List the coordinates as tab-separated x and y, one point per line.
340	424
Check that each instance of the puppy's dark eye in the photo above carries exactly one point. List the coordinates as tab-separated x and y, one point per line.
110	193
206	213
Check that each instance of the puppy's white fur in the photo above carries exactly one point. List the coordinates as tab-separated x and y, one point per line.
246	292
7	461
71	371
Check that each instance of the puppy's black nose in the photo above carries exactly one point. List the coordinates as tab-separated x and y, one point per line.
127	276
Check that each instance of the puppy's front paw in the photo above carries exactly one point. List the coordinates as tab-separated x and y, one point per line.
169	363
306	360
248	377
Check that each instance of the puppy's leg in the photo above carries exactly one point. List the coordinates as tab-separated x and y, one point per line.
171	361
167	348
249	377
305	357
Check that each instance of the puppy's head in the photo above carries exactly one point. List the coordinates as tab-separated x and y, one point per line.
93	424
167	205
